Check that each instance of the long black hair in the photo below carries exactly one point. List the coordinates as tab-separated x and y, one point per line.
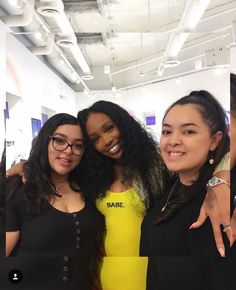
140	160
39	189
215	117
233	94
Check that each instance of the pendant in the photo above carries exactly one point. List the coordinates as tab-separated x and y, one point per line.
164	207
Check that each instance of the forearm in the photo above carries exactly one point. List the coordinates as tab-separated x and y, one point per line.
11	241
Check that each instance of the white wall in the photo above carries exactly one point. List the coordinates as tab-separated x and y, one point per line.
2	86
157	97
233	59
34	85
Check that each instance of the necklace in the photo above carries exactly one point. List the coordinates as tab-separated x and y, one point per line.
170	194
190	180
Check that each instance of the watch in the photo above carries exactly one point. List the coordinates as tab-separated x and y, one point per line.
214	181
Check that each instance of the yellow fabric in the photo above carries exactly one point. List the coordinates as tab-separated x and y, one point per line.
224	164
124	273
123	213
122	269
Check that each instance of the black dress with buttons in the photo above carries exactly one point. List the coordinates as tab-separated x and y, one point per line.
56	250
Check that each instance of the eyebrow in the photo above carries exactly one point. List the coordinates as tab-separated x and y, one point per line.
102	127
183	125
107	123
63	135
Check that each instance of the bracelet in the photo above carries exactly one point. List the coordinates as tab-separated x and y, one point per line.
214	181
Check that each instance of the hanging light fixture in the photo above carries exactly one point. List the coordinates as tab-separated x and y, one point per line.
141	74
192	14
191	17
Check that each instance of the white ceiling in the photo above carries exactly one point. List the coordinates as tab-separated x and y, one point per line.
132	35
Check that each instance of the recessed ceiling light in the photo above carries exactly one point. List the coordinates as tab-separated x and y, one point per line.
87	77
142	74
65	42
171	63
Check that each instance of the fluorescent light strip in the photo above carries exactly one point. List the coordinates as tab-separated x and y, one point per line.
78	55
192	14
175	44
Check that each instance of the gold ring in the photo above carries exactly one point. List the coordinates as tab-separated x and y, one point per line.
226	227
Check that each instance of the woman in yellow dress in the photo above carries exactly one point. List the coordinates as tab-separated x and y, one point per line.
124	178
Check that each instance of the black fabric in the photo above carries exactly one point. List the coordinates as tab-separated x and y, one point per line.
233	187
232	258
46	273
179	258
54	245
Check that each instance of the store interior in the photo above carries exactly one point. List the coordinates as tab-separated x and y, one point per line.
62	56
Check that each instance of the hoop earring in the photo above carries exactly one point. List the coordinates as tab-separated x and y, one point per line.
211	160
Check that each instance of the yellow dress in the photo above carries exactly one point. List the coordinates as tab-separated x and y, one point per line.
122	268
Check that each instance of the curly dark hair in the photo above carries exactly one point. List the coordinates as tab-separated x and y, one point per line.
233	94
215	117
141	160
39	189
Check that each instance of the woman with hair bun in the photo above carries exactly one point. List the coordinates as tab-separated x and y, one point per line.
194	140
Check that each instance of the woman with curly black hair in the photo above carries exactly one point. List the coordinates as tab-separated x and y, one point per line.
125	174
194	140
51	227
132	155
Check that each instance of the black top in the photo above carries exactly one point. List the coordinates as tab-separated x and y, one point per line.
188	259
60	246
232	257
2	213
233	187
2	224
